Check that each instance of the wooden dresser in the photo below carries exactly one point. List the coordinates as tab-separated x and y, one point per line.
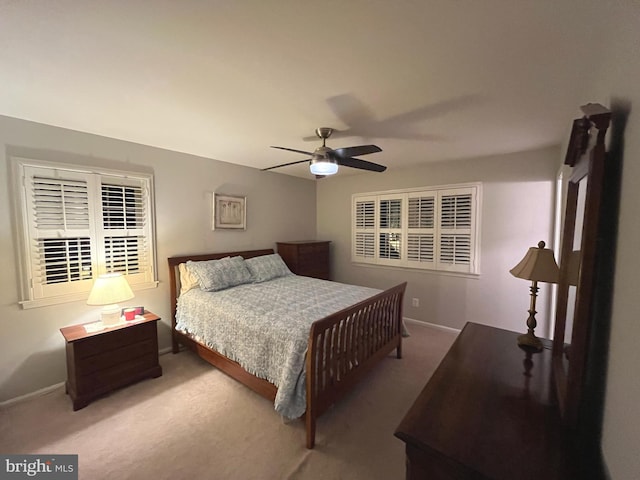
99	362
307	257
488	412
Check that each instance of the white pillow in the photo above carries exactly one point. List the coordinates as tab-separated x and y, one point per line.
187	279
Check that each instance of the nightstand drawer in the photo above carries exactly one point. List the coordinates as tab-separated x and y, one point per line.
88	347
117	356
115	376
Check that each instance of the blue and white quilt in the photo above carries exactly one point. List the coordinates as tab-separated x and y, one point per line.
265	327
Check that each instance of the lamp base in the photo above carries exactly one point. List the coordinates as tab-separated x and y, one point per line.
529	341
110	315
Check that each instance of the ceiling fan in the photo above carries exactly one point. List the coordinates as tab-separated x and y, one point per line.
325	161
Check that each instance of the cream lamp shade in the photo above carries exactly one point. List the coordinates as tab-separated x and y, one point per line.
538	265
108	290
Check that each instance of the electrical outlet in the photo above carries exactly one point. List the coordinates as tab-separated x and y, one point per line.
415	302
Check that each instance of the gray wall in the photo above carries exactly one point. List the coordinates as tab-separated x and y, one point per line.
516	213
31	346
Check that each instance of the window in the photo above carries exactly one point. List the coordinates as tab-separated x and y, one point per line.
78	224
429	228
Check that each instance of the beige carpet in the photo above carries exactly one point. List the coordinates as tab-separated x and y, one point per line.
195	422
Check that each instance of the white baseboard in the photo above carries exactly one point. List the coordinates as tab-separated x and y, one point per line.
37	393
431	325
50	388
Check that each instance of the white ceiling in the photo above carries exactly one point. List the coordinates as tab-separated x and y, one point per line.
425	80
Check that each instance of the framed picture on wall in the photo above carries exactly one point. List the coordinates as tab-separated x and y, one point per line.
229	212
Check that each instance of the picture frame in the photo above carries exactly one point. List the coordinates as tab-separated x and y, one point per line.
229	212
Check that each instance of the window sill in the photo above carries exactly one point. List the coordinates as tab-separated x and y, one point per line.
74	297
473	276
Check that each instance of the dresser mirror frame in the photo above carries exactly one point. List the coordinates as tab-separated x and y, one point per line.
578	289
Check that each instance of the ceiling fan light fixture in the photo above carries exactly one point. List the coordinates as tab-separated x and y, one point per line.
325	161
323	166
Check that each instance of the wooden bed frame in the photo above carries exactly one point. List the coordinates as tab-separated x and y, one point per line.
343	347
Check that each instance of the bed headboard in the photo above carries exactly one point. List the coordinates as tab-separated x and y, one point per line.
174	278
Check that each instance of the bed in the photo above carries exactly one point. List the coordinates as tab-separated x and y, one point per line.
335	343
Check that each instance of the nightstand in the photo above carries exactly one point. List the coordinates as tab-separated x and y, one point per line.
99	362
308	258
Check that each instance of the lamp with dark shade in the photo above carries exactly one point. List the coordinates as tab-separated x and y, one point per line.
538	265
108	290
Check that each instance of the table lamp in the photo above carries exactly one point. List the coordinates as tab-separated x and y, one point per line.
538	265
108	290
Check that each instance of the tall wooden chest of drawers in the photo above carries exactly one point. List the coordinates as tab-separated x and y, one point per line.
307	257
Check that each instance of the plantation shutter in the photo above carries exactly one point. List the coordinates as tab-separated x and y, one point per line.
421	229
424	228
364	244
78	224
125	236
59	220
390	225
456	230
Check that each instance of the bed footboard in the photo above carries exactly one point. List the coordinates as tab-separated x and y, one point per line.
346	345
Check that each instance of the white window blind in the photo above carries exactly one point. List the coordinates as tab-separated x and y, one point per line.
78	225
430	228
124	236
364	245
456	221
59	221
390	232
421	229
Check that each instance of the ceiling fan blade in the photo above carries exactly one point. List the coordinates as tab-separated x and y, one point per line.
361	164
293	150
285	165
357	151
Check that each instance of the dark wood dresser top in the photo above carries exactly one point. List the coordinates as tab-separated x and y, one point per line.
76	332
488	412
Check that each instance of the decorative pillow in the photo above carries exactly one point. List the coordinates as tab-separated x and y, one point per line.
267	267
187	279
214	275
